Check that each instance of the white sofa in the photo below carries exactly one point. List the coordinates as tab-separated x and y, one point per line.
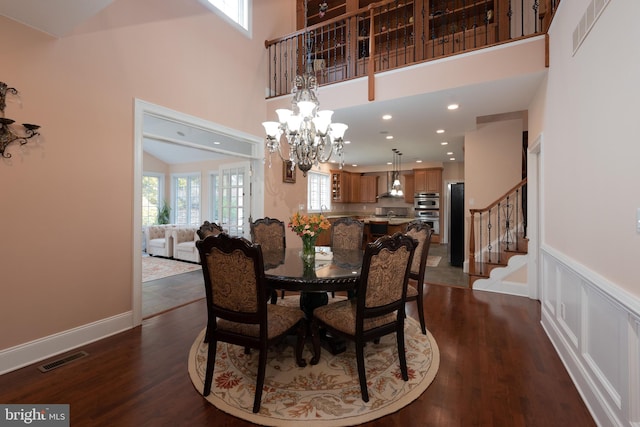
184	244
159	240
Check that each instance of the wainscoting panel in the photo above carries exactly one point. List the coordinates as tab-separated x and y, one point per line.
549	287
594	326
568	309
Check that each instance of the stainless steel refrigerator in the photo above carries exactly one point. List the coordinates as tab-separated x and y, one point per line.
456	225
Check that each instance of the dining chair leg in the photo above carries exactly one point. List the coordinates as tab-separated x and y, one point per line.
315	339
361	371
211	363
421	309
262	367
401	351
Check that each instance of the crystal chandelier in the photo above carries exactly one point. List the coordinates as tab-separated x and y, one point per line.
309	133
396	188
9	132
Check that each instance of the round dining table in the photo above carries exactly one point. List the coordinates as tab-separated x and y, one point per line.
331	271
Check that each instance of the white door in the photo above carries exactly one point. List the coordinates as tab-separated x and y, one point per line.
233	198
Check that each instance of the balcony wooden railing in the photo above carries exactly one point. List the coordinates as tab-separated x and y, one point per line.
398	33
498	232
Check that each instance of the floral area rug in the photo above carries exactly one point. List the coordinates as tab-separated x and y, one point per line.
156	268
327	394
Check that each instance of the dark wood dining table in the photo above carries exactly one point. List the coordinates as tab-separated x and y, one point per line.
331	271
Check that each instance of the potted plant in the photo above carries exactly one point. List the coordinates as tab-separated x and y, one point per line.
164	213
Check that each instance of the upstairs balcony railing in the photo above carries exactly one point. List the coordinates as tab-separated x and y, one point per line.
343	45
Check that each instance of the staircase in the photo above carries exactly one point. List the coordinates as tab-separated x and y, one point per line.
498	244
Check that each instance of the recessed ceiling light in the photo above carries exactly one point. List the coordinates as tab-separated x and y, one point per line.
453	107
347	142
389	136
440	131
452	158
217	142
418	161
386	117
450	153
444	143
389	163
354	165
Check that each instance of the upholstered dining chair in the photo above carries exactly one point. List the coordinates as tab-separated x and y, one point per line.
209	229
421	232
346	233
270	234
379	306
237	309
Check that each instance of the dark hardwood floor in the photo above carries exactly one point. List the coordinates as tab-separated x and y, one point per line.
497	368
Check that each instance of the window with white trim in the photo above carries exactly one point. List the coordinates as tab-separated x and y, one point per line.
318	192
152	191
186	199
236	10
214	197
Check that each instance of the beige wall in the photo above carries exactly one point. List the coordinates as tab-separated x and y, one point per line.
590	146
493	154
70	201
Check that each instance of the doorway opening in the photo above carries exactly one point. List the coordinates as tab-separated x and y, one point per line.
174	142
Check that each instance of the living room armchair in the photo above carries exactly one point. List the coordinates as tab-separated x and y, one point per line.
184	244
158	239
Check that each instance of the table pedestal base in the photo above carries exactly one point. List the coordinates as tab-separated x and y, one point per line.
309	301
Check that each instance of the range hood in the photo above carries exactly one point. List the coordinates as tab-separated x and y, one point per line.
391	177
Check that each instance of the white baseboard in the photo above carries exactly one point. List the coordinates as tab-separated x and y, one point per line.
44	348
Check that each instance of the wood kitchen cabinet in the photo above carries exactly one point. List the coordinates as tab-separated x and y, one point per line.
428	180
355	190
340	186
369	189
409	188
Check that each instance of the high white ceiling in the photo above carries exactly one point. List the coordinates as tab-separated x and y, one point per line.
414	124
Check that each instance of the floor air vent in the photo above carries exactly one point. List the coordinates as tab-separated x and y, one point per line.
63	361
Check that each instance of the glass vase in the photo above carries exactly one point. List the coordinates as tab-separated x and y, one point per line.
309	248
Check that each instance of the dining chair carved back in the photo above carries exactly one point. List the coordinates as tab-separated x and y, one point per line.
421	232
269	233
379	306
237	309
346	233
209	229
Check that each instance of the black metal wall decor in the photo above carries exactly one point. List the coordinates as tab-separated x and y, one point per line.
8	131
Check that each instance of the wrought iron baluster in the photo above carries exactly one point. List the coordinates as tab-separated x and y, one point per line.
464	25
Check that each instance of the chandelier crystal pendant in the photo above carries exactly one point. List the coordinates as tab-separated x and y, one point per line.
8	131
309	133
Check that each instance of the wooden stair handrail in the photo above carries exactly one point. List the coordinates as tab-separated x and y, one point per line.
499	199
472	237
